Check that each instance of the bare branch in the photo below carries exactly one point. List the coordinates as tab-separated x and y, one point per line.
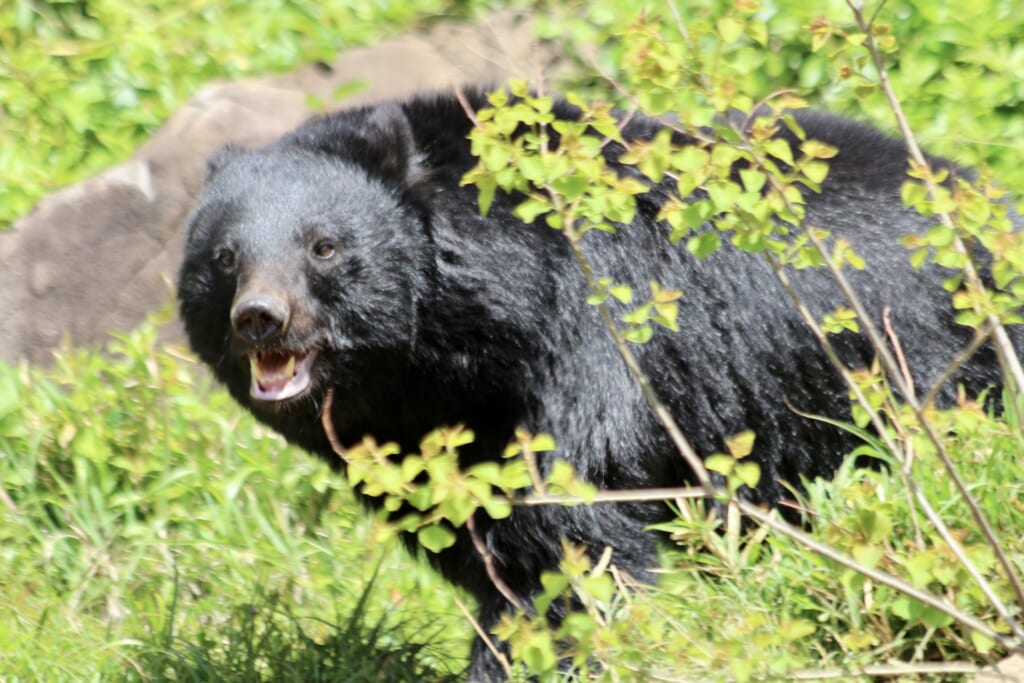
328	423
981	337
492	570
891	670
486	638
614	496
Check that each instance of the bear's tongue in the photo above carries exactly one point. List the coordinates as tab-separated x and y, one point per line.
277	376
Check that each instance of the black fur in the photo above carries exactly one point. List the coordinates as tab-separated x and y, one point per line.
428	314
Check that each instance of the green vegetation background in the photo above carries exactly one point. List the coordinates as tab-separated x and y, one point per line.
152	531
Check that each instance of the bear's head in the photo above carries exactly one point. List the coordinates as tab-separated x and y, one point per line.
309	259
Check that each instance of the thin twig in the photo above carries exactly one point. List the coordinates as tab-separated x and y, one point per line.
498	654
981	337
891	670
897	349
906	470
1001	342
460	95
328	423
492	570
614	496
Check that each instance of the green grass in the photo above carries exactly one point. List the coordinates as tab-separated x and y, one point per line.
152	531
150	525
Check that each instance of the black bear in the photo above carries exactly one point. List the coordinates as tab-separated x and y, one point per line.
347	254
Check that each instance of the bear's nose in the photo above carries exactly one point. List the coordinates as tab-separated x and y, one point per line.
259	318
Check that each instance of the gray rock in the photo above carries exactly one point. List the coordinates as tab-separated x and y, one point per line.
99	256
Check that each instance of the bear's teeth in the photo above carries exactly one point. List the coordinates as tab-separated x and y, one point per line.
254	368
268	366
276	377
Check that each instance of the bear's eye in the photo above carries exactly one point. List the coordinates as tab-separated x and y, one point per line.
324	249
225	258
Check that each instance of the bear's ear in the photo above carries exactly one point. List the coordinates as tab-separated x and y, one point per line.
379	139
221	158
390	146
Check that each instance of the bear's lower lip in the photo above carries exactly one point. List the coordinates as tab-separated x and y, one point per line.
278	376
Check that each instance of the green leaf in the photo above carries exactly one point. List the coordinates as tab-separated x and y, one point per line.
667	314
691	160
982	643
721	463
933	618
349	88
639	335
542	442
753	180
906	608
919	568
758	32
740	445
815	171
412	465
748	472
532	207
638	316
571	186
435	538
458	507
600	586
857	640
622	293
519	87
914	194
723	194
555	583
421	498
940	236
485	198
497	507
780	149
868	555
489	472
815	149
795	629
539	652
730	29
532	168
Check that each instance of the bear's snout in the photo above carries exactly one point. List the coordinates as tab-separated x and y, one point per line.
260	317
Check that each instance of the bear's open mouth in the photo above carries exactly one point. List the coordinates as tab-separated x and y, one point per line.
279	376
